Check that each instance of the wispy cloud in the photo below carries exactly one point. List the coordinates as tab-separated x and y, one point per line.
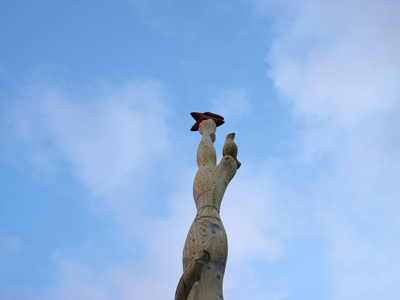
111	136
9	244
231	103
115	138
336	64
115	142
338	60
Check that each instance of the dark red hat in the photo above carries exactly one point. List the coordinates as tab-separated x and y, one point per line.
199	117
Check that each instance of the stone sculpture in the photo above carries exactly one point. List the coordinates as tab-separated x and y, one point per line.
205	251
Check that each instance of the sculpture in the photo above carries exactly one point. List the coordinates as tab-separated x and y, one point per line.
205	251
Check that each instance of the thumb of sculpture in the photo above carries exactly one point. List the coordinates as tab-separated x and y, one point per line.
230	148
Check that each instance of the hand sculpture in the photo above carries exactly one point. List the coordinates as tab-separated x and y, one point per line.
205	251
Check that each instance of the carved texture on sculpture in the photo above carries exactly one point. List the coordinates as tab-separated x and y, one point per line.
206	249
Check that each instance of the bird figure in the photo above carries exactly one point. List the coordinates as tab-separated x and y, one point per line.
230	148
199	117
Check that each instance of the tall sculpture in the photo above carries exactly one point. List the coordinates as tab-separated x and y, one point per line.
206	249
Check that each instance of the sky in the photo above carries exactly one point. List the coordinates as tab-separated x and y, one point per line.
97	160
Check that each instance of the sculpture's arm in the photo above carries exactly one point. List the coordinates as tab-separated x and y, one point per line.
206	152
191	275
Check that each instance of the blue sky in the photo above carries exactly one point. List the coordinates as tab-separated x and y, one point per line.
97	160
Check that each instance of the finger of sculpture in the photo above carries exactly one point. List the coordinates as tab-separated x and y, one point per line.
230	148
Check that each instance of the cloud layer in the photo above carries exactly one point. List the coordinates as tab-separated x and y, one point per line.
328	206
336	64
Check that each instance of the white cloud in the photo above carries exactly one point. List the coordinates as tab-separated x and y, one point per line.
258	230
338	60
112	136
116	139
336	63
231	103
262	219
135	276
9	244
252	218
77	282
363	257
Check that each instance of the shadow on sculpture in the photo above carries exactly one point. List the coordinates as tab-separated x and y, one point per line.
206	249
